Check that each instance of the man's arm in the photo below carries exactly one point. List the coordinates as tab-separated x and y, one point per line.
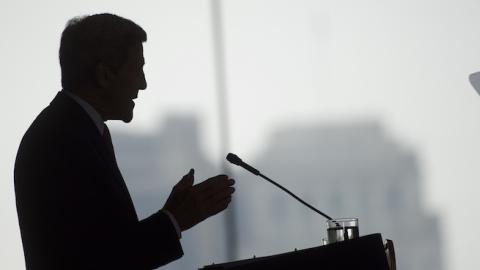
123	240
73	214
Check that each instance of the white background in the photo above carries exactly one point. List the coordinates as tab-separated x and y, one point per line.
403	62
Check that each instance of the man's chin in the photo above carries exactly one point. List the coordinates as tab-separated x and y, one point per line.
127	118
123	113
128	113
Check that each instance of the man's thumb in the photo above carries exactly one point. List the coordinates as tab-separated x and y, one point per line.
187	180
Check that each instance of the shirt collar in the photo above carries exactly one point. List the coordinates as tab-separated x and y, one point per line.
94	115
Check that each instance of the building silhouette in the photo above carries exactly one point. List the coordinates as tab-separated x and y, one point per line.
346	170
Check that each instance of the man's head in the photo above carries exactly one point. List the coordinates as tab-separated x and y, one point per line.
101	58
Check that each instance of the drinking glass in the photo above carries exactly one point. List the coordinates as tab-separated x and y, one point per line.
342	229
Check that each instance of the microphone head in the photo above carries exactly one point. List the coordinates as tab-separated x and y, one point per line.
234	159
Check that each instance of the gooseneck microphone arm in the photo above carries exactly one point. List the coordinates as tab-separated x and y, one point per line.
296	197
234	159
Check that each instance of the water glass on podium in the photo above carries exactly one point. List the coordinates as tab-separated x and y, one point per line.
342	229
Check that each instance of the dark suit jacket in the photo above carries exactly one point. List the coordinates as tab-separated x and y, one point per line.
74	209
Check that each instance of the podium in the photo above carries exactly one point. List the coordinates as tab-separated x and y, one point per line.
366	252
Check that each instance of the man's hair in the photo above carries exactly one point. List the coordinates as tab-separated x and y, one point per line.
89	40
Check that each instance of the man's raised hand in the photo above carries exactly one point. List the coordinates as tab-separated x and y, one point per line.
190	204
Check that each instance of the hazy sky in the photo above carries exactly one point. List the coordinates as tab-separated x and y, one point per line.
405	63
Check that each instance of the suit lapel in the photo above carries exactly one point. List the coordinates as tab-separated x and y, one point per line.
107	155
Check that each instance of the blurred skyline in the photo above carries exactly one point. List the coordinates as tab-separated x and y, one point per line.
404	63
345	169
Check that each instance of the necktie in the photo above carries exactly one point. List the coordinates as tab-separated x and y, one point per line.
108	143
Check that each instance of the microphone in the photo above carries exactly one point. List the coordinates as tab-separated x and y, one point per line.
234	159
238	161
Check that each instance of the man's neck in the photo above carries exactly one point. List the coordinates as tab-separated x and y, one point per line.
89	109
93	99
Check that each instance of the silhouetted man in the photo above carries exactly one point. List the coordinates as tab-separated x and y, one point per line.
74	209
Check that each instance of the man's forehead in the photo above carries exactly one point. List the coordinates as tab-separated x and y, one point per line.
136	53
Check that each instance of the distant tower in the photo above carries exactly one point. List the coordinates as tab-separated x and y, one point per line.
224	127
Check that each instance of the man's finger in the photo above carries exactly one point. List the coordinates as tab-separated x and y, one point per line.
219	187
219	195
212	181
215	183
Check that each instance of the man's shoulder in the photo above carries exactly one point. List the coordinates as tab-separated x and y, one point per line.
63	123
61	138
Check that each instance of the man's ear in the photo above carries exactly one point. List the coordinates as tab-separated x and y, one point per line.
103	75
